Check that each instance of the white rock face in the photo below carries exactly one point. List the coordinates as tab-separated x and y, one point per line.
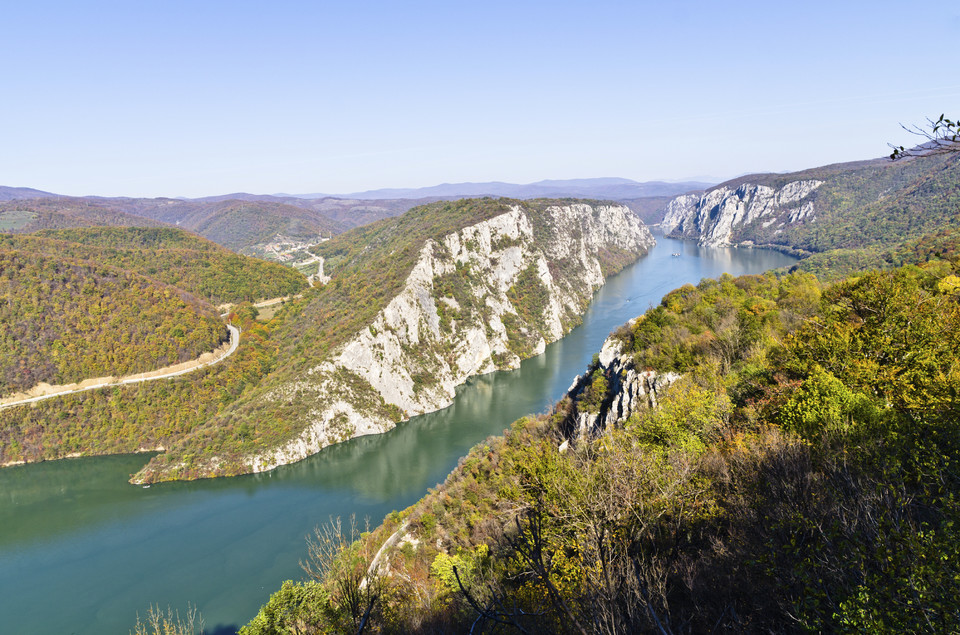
629	390
411	358
718	214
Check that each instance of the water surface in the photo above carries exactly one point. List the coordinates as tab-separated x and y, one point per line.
82	551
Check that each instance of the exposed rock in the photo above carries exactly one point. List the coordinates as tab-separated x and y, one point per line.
424	343
629	391
718	216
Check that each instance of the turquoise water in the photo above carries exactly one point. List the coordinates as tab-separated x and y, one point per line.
82	551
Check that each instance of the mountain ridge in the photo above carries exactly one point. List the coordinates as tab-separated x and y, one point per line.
600	188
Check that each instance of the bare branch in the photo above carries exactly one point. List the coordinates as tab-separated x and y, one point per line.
941	136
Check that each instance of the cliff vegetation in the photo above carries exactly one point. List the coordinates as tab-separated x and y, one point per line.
412	307
809	448
848	206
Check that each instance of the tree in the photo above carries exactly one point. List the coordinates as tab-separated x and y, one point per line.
340	559
941	138
169	623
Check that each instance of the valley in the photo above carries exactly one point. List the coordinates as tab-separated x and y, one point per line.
488	318
415	319
226	544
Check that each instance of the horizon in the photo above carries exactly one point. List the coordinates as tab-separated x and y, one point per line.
186	101
307	195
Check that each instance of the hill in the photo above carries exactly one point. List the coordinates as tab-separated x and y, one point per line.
26	216
844	206
236	224
414	305
167	255
63	320
98	301
15	193
750	433
349	212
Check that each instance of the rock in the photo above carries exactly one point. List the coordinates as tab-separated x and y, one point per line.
629	391
718	216
411	359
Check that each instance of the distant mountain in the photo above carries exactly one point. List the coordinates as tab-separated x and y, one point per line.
598	188
16	193
234	223
351	212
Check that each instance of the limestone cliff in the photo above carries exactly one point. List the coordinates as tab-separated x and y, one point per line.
623	390
727	215
479	299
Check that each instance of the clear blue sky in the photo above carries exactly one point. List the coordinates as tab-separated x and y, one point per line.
172	98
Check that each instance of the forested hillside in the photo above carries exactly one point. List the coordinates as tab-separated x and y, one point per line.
219	421
168	255
144	416
235	224
810	450
63	320
867	204
25	216
100	301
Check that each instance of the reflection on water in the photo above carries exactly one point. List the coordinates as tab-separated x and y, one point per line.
225	544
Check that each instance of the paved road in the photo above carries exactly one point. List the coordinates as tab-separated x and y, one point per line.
58	391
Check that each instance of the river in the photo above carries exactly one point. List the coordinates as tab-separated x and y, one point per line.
82	551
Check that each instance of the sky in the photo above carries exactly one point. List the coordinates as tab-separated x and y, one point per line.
192	99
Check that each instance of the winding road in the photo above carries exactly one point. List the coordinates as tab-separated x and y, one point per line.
48	391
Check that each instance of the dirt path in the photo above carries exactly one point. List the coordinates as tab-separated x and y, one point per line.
258	305
46	391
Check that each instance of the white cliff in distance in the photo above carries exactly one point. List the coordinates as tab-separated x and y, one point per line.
727	216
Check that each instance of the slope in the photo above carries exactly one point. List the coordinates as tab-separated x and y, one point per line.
807	446
235	224
849	205
415	305
88	302
168	255
63	320
25	216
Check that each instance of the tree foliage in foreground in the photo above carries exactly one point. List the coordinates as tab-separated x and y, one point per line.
802	477
940	138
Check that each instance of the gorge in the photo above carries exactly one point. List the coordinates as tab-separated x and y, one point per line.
226	544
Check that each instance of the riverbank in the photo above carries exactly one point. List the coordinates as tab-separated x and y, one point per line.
225	544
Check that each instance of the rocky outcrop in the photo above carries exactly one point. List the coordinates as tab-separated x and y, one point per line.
478	300
628	391
726	216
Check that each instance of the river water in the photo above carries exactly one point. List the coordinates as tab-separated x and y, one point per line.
82	551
